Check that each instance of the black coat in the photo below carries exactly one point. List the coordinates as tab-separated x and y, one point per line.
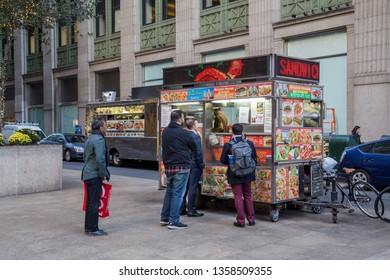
177	145
232	179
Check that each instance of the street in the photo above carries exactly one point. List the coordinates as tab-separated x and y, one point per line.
137	170
49	226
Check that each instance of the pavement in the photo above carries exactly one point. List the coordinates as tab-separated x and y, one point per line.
49	226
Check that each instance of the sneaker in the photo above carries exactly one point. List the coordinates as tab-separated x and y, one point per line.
252	223
178	225
238	225
164	222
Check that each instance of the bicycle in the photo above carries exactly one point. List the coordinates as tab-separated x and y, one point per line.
382	202
361	193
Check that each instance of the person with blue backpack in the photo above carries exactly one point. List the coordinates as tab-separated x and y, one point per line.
240	156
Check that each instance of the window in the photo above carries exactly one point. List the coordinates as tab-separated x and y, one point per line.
101	19
67	34
148	12
153	72
63	35
74	33
382	148
169	9
116	8
31	42
211	3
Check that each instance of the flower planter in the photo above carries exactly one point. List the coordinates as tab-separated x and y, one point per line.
30	169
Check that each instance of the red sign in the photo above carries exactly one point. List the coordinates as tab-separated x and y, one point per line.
297	68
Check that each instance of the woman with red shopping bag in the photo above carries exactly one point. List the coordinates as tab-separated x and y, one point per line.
94	173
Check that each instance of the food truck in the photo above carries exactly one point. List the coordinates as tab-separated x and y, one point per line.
131	125
278	101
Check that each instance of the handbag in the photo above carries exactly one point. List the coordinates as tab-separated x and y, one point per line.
105	194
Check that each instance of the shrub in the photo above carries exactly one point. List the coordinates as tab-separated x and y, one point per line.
2	138
31	133
19	139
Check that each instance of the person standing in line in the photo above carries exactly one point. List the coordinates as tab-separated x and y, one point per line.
241	186
220	121
93	174
176	146
197	165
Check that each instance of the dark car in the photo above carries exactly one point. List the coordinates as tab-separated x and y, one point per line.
370	160
73	144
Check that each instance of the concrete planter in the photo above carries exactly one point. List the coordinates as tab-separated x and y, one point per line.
30	169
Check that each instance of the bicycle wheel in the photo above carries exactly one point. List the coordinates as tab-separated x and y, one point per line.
364	196
327	196
382	205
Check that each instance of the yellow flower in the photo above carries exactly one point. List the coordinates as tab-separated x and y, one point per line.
19	139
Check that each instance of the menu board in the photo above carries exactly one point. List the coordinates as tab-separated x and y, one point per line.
298	143
292	112
218	92
289	90
287	182
131	127
261	187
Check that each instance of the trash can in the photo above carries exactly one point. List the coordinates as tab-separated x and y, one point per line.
337	144
78	129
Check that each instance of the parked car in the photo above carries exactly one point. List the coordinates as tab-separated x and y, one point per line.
10	128
371	161
73	144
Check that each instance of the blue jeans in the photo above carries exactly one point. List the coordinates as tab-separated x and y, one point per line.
176	186
193	184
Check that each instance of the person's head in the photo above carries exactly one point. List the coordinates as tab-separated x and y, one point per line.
99	125
217	111
177	116
237	129
356	130
192	124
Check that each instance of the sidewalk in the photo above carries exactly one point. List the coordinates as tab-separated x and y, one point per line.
50	226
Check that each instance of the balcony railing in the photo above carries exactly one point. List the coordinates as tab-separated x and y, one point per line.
225	18
67	55
299	8
108	46
34	63
158	34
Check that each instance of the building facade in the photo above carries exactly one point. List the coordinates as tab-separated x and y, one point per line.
129	43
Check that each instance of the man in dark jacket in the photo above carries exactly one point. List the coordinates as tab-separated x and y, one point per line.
196	171
176	146
94	172
241	186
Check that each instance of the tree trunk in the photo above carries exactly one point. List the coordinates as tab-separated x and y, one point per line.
3	77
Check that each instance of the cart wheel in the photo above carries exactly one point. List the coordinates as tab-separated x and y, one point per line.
274	215
317	209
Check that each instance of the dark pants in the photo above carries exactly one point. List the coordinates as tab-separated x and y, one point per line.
243	202
193	184
94	187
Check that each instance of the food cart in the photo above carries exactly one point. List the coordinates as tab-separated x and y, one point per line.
278	101
131	126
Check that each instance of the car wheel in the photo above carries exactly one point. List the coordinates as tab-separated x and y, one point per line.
116	161
68	155
361	175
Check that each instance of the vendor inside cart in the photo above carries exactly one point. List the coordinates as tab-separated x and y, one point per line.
220	121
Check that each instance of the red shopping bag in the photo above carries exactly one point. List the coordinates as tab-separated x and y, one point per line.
105	194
